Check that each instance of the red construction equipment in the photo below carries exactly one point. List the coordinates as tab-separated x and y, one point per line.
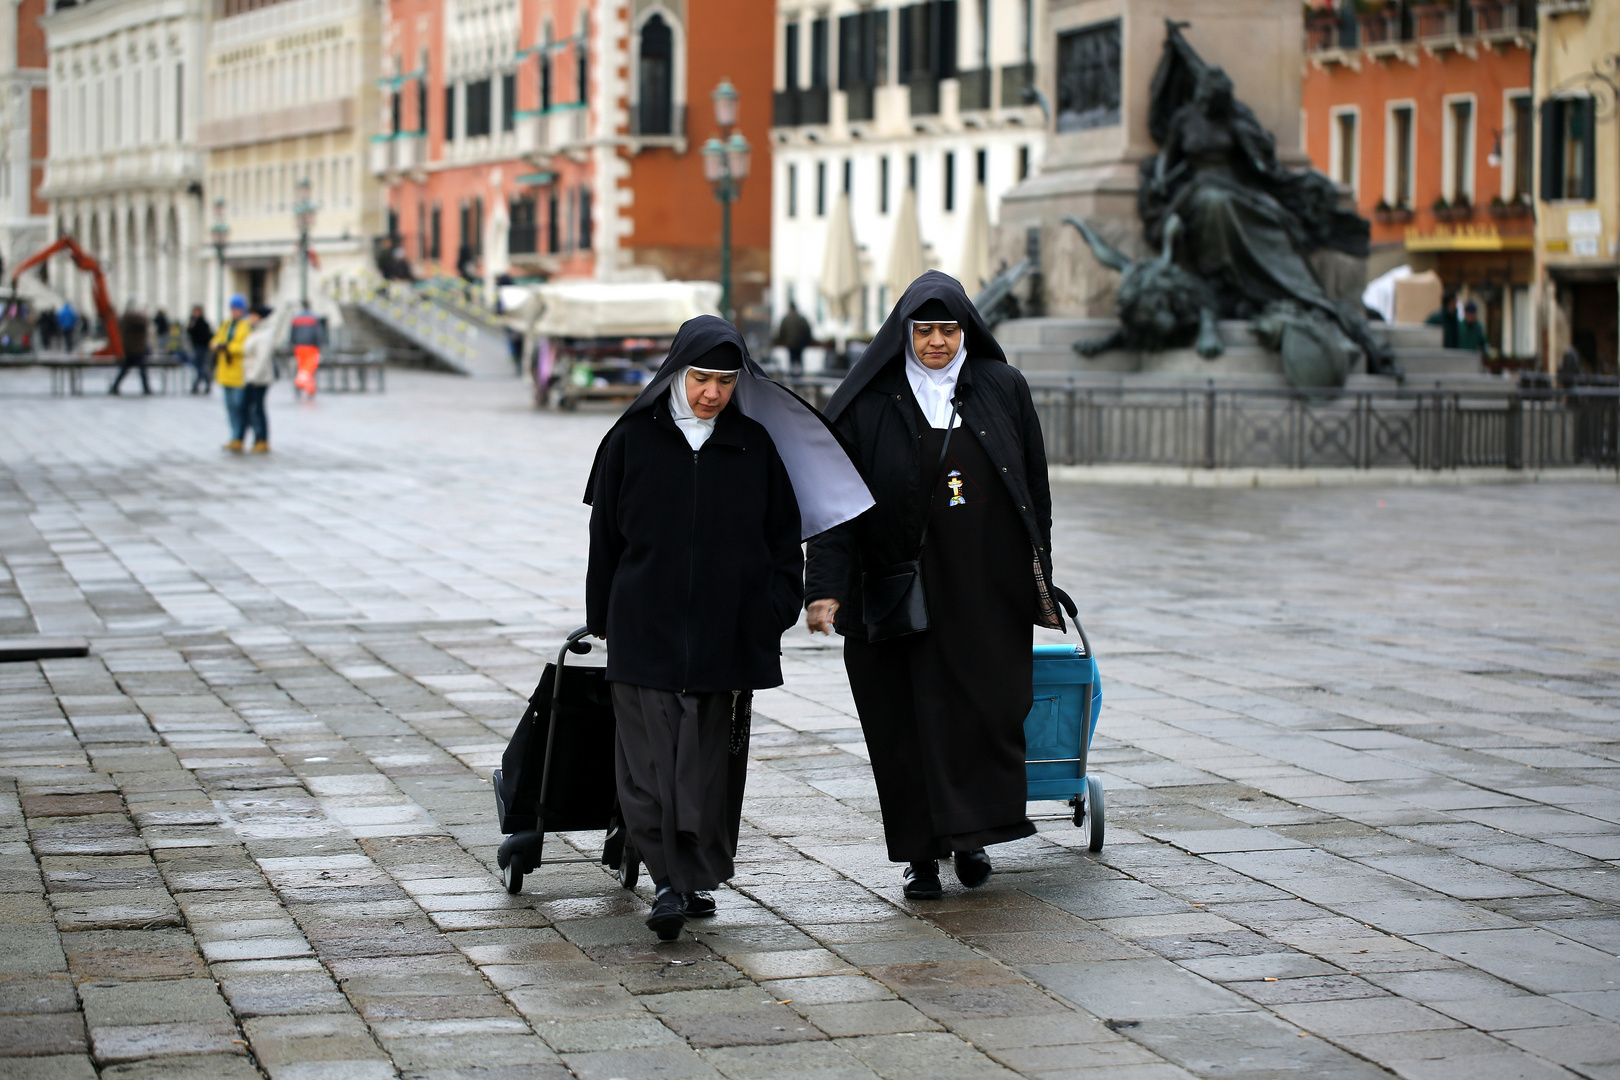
98	287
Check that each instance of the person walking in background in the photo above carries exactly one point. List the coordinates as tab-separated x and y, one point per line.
198	335
160	333
258	372
45	326
1471	332
67	320
227	347
793	334
945	432
306	343
132	327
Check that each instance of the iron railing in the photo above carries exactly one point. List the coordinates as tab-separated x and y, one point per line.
1211	427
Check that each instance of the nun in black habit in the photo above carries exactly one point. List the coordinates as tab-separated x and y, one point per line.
700	496
943	709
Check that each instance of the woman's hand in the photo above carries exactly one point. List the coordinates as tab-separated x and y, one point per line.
820	616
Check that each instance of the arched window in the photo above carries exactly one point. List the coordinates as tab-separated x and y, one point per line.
656	77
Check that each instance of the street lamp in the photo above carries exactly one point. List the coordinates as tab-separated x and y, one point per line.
220	230
304	214
725	167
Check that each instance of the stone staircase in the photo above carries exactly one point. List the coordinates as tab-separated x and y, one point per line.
451	339
1044	347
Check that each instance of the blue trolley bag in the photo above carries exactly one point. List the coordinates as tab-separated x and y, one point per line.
1058	732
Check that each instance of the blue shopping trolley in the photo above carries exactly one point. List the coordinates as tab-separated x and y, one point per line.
1058	731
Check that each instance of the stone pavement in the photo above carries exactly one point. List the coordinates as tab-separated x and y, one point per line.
1359	745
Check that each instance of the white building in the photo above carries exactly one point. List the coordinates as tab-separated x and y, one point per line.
24	227
872	101
124	175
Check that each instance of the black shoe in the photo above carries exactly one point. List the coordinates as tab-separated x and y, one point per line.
699	905
972	868
922	881
668	915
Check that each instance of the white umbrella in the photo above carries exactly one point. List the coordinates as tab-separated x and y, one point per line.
841	263
976	245
906	260
496	259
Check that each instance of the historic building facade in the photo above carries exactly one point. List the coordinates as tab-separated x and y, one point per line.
556	138
1426	113
1577	85
291	97
926	109
24	131
124	175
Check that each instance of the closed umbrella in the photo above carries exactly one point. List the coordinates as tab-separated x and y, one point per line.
496	259
976	245
841	263
906	260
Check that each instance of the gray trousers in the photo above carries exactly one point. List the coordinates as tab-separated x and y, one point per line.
681	763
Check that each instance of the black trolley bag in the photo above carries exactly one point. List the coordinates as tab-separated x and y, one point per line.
557	774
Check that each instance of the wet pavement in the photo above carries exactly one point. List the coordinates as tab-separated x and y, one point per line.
1359	746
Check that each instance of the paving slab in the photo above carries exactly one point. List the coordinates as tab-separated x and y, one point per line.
1357	746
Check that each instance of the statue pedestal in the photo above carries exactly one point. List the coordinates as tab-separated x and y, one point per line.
1044	348
1106	51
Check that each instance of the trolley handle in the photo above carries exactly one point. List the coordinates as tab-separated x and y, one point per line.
1085	643
574	644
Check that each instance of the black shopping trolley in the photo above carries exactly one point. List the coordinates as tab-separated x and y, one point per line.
557	772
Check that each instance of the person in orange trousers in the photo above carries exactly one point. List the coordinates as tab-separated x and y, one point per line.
306	343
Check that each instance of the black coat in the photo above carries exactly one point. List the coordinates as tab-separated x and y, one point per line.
695	567
874	414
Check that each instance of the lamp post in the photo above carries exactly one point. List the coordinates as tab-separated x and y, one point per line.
304	214
725	166
220	231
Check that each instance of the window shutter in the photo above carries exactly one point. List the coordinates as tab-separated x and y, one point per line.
1552	157
1588	137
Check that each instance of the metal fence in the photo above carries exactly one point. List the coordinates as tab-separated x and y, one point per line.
1215	428
1211	427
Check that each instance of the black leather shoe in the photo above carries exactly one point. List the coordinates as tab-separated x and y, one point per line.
972	868
699	905
922	881
668	915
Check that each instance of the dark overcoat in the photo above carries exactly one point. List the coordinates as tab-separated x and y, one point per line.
874	415
695	564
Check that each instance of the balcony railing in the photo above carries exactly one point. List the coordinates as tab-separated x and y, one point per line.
1437	26
860	102
802	105
924	96
1015	79
973	89
671	125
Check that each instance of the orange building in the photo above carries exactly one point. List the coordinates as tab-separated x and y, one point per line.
24	216
559	138
1425	112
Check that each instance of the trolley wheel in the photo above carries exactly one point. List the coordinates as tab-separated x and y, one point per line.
1096	811
512	875
629	867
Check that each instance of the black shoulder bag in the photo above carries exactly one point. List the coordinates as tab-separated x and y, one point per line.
892	600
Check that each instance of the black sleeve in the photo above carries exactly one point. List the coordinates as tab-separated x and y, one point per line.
607	543
831	554
1040	485
782	527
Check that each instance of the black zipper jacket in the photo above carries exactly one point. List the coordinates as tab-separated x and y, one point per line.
695	565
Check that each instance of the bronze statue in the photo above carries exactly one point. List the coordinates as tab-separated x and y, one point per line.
1249	222
1161	305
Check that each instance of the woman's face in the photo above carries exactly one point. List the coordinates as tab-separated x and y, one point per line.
709	391
936	343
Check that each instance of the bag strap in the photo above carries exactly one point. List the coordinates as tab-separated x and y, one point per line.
939	474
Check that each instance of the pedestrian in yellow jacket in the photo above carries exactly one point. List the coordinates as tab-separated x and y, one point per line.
228	344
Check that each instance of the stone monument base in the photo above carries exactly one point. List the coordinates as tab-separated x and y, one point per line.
1044	347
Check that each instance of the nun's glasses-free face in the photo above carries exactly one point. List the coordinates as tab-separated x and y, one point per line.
927	330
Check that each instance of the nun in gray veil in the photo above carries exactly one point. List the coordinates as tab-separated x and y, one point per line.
701	495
